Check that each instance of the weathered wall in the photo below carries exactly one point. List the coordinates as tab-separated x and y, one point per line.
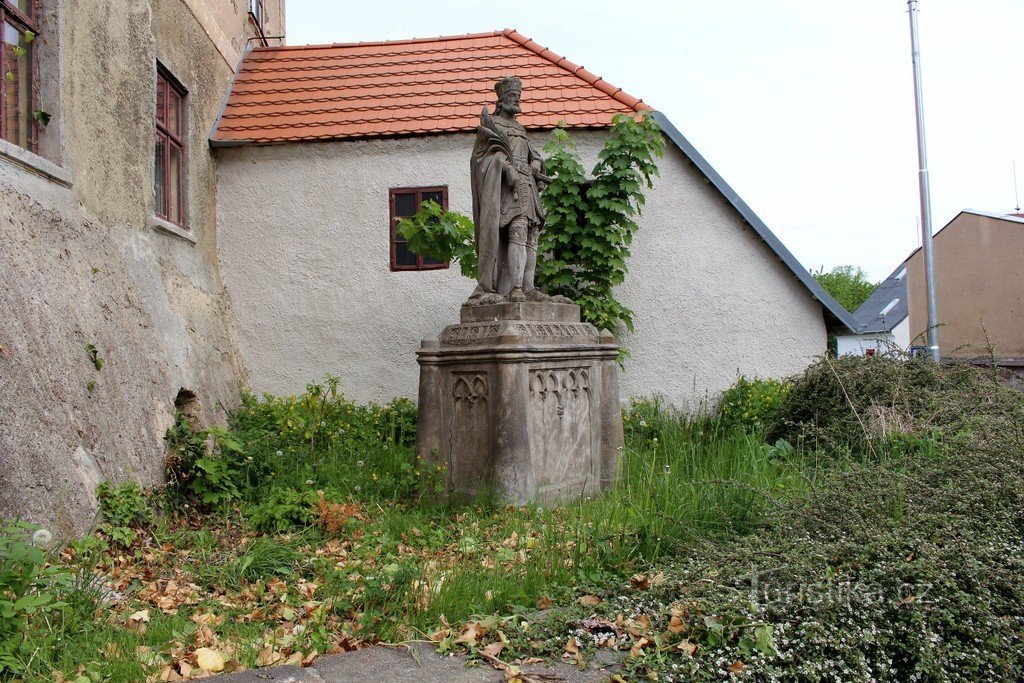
979	282
306	269
81	264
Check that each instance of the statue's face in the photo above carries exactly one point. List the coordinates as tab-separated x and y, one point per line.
510	102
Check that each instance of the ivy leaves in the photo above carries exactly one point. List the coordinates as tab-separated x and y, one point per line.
591	222
442	235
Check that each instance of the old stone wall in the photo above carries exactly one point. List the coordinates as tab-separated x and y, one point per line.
306	269
83	264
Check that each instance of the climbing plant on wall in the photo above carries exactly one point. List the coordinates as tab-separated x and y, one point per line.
585	245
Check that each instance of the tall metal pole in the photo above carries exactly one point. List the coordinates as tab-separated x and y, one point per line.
926	195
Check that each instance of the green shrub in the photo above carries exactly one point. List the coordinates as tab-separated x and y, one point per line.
27	588
322	440
198	473
283	509
647	419
751	404
123	507
859	404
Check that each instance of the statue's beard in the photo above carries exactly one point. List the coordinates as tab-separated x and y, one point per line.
508	109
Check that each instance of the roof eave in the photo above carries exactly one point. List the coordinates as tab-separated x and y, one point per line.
837	318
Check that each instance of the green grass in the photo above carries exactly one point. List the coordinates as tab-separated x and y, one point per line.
395	565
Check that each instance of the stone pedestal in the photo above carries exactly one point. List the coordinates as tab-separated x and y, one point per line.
521	399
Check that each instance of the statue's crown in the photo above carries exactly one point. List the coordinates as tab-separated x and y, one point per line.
508	84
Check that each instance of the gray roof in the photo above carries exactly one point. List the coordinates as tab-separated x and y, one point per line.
837	318
893	288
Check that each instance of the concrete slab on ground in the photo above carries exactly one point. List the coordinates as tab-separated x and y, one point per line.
416	663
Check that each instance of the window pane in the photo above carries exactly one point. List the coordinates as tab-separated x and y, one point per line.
159	178
17	84
433	197
405	204
25	6
174	184
404	257
427	261
174	112
161	93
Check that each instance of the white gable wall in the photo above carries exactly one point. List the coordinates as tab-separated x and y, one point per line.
303	246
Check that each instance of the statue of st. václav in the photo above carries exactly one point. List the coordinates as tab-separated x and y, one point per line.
507	176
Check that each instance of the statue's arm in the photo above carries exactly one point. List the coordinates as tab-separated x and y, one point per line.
537	164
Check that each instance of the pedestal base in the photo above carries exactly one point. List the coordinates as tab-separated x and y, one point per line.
527	408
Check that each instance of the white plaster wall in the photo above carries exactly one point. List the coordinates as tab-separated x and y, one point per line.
882	342
304	253
901	333
303	247
858	344
710	298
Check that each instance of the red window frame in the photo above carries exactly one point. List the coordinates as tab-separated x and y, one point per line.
395	238
168	88
22	21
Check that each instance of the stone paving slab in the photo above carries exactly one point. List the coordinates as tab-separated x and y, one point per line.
417	663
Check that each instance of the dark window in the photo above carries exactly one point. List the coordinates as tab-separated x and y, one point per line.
406	202
17	63
169	155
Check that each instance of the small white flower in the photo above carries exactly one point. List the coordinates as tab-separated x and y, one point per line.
359	463
358	488
42	537
279	454
643	423
323	424
249	458
309	482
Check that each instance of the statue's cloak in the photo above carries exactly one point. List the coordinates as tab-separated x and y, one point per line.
492	154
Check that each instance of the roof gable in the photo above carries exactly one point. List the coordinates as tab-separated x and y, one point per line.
406	87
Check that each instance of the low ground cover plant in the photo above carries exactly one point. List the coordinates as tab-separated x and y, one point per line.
876	539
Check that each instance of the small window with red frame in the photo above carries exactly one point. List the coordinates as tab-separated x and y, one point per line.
18	31
406	202
169	154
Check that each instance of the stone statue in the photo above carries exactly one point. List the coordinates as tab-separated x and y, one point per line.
507	177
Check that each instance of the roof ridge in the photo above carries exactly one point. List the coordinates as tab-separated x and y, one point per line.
558	60
375	43
300	58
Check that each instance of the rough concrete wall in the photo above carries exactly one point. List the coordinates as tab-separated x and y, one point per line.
81	266
979	283
304	253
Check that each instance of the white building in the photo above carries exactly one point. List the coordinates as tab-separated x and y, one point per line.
319	148
883	322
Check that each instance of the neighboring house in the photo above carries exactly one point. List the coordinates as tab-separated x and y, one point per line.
321	148
979	282
112	306
882	321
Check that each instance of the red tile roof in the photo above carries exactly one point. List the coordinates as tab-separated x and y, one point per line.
407	87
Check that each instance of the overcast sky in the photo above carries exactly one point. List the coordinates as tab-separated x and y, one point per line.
805	108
